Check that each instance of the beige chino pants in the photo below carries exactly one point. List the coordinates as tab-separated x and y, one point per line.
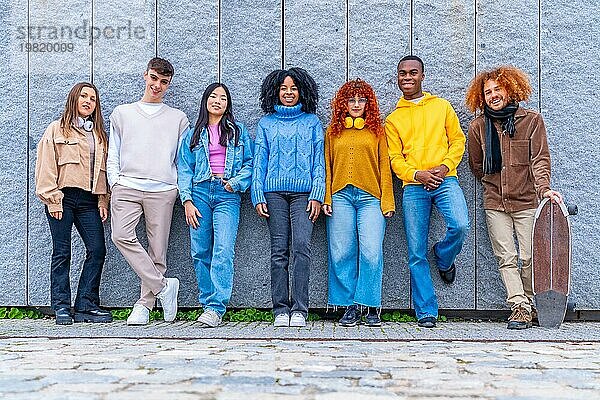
127	207
502	227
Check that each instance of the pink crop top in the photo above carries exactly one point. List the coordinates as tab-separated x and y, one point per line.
216	152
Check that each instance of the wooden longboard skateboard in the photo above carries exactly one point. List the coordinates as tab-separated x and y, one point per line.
551	260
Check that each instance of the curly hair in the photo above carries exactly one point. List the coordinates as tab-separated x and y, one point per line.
307	89
339	107
514	80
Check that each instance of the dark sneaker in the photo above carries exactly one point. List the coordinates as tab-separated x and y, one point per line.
519	319
63	316
449	275
372	317
351	316
427	322
97	315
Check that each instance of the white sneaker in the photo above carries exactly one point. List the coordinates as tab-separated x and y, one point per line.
168	298
209	318
297	320
281	320
140	315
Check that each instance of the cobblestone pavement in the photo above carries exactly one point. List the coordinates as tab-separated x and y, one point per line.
458	360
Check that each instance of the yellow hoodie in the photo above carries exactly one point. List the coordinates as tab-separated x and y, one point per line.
422	136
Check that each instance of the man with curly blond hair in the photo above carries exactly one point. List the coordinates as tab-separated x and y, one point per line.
508	151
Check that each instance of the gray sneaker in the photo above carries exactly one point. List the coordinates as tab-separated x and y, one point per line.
168	298
209	319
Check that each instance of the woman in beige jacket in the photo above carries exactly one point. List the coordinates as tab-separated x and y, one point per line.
70	179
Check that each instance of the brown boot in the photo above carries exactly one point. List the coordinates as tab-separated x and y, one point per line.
519	319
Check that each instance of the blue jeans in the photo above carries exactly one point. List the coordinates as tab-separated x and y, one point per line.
287	220
355	234
213	242
449	199
80	208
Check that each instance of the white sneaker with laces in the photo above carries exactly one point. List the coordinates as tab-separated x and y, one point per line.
140	315
281	320
209	318
297	320
168	298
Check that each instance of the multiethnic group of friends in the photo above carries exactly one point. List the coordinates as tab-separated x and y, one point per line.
294	171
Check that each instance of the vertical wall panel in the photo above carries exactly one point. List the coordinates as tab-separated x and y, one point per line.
570	41
51	75
315	39
443	38
13	155
192	49
497	45
120	56
379	35
250	49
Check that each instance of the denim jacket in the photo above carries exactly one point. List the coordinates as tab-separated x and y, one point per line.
193	166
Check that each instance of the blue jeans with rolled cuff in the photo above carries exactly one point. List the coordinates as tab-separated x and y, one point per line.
213	242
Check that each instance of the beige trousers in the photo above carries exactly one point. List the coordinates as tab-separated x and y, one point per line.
127	206
502	227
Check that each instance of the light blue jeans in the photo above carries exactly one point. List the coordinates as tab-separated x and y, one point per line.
355	234
213	243
417	202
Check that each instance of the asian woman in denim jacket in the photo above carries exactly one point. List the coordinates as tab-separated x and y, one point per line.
214	167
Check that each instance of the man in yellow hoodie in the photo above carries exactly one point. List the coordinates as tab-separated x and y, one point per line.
426	144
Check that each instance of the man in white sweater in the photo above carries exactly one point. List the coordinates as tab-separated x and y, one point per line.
141	171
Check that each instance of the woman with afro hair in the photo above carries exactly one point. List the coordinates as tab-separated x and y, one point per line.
288	184
358	195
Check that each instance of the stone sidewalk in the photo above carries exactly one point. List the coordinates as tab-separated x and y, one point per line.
457	360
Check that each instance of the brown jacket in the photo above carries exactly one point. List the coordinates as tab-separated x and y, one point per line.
525	174
65	162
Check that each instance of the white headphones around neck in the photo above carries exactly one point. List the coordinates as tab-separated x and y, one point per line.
86	124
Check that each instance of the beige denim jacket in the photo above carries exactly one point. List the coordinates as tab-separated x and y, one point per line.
65	162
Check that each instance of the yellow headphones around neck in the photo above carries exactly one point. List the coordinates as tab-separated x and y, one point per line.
357	123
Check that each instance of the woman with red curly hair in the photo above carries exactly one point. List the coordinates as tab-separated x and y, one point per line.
358	195
508	151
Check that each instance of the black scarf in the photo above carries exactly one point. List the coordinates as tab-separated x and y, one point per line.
492	161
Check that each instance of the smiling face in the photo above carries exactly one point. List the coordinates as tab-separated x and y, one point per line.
356	106
410	79
289	95
496	96
156	86
217	102
86	103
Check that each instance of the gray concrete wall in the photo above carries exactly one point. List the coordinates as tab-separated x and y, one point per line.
239	42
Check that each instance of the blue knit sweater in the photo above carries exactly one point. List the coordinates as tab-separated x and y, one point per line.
288	154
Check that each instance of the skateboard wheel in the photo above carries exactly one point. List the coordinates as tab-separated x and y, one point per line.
572	209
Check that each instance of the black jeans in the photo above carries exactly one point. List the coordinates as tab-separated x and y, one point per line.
80	207
289	220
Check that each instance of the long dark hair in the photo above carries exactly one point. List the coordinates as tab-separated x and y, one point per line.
227	126
307	89
70	113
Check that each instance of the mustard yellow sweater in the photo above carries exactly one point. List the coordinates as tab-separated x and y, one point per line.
359	158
